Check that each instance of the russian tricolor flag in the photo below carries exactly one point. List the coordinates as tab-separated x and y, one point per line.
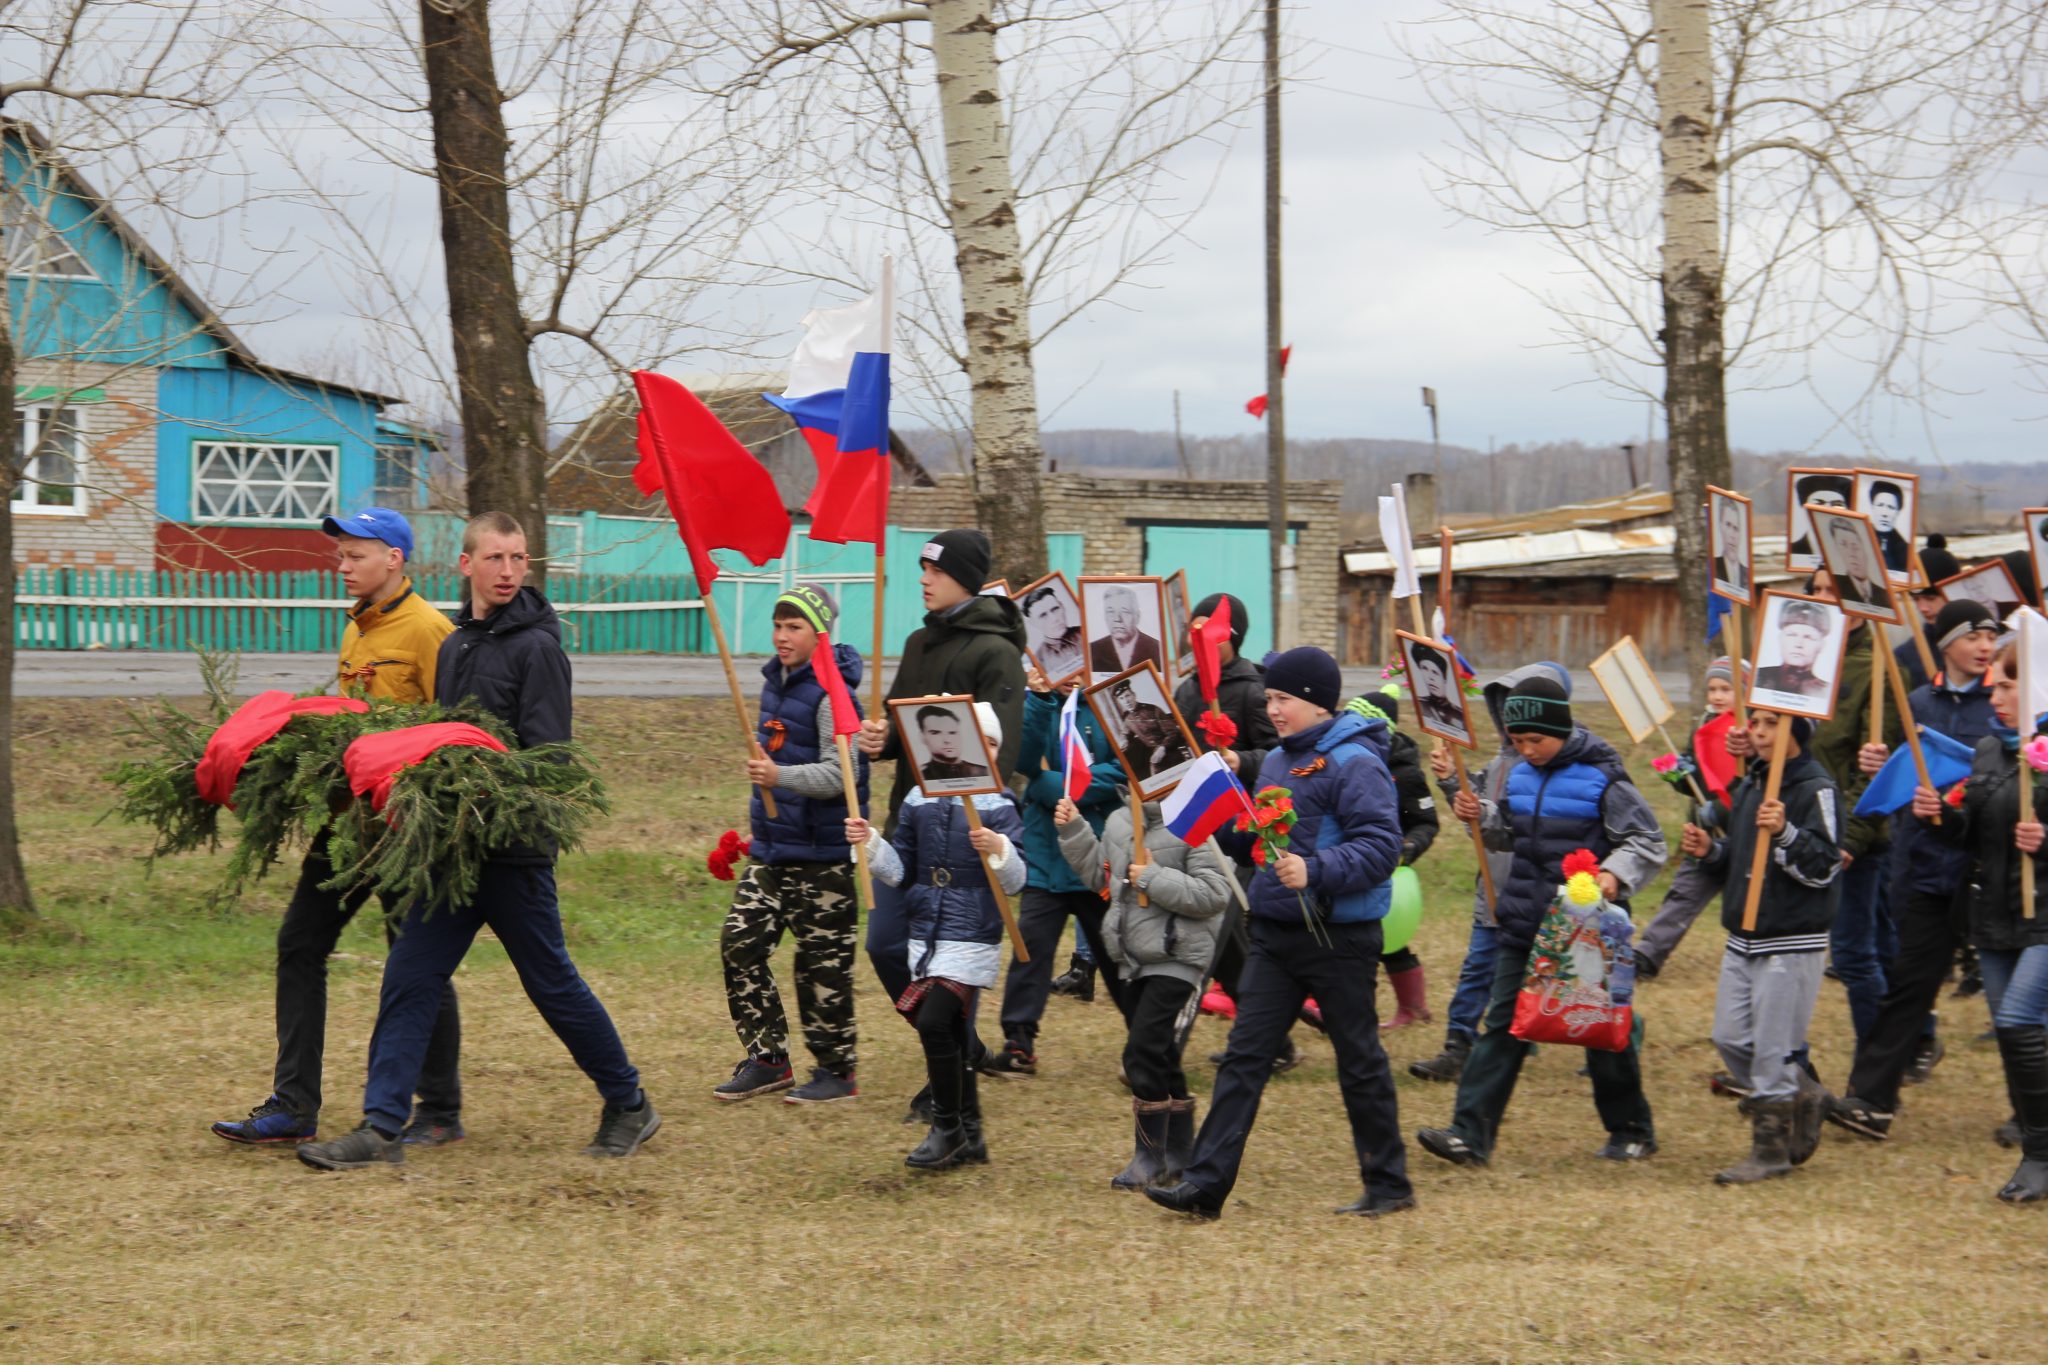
1074	758
1209	797
838	395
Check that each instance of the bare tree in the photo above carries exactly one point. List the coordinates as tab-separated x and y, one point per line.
1019	156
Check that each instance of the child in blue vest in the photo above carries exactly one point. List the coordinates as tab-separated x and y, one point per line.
800	877
1568	791
956	939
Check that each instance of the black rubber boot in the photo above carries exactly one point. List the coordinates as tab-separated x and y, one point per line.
920	1110
1148	1155
942	1146
1077	981
1180	1139
1769	1157
1808	1109
1447	1065
974	1148
2025	1054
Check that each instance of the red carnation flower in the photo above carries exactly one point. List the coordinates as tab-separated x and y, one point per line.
1584	860
1219	729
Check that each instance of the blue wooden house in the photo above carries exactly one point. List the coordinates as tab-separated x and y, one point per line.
154	436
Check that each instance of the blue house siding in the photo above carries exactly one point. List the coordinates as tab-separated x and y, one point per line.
236	404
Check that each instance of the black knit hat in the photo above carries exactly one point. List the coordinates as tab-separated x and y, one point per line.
1238	616
964	556
1939	564
1308	673
1959	618
1537	705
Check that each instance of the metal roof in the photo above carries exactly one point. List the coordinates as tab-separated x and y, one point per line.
1640	554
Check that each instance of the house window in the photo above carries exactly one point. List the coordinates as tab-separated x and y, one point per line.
46	451
395	484
243	481
33	246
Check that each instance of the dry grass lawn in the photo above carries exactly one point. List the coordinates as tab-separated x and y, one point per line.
761	1232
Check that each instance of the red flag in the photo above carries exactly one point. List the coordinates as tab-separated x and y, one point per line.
1257	406
1214	630
845	720
720	496
1718	767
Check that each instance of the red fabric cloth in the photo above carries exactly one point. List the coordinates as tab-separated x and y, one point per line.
1257	406
1214	631
1718	767
374	762
826	666
259	719
719	494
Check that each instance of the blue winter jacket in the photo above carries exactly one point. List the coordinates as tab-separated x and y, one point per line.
804	829
1039	760
945	891
1552	811
1923	864
1347	822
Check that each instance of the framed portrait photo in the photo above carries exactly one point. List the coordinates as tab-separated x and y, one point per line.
1820	487
1992	584
1799	646
1144	727
943	740
1124	620
1177	616
1433	682
1849	549
1728	541
995	587
1052	628
1892	502
1632	689
2035	522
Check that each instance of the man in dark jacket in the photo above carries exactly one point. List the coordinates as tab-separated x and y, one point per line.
506	656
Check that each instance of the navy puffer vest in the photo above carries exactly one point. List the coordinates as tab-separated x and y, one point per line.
1554	811
803	830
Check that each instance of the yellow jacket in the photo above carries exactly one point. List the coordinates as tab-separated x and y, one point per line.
390	647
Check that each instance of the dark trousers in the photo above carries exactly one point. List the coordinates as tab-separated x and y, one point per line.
1041	919
313	921
1488	1081
518	902
888	950
1862	939
1152	1048
1928	931
1286	965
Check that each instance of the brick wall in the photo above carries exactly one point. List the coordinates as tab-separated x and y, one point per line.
118	528
1110	514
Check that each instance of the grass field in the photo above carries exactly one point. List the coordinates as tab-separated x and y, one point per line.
760	1232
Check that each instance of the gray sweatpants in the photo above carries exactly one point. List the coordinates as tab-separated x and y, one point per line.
1692	889
1760	1016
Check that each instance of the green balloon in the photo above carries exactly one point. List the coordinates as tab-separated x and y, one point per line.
1401	922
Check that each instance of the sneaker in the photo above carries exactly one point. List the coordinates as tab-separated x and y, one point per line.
621	1131
432	1133
1727	1087
1926	1057
823	1087
1859	1118
756	1076
1014	1060
1442	1142
1628	1149
268	1124
364	1147
1287	1060
1647	967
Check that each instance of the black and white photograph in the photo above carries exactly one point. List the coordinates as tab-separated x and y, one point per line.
1992	584
1728	542
1125	620
1891	502
945	744
1798	655
1433	679
1822	488
1052	628
2035	519
1144	727
1177	616
1848	545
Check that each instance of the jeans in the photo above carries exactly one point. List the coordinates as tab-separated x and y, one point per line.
1152	1048
1488	1081
517	901
313	921
1041	919
1475	984
1928	930
1863	939
2016	985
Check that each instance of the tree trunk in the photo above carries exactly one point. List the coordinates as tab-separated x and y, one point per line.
502	413
17	906
981	202
1695	401
1276	371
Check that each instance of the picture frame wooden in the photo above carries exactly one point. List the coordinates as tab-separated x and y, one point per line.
1155	758
1849	543
1632	689
995	587
1731	546
1180	651
1991	583
1441	708
1804	485
1058	654
2034	523
1805	680
1123	621
1892	502
934	754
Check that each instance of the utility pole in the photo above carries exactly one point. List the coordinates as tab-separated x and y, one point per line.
1436	448
1628	451
1282	554
1180	445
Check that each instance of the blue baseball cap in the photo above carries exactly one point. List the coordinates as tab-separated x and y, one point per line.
374	523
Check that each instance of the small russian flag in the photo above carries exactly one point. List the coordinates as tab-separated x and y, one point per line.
1073	751
1209	796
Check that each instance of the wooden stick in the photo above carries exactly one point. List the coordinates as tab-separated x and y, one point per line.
1478	836
1761	857
1877	649
1911	614
864	879
1140	855
1443	575
995	887
1906	721
881	586
1690	780
739	699
2027	723
1735	654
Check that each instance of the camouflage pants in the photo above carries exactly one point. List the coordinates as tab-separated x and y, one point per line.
815	903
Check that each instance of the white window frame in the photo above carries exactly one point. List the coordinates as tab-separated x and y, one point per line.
305	486
30	421
34	247
403	454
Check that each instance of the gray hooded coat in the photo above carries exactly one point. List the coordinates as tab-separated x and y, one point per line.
1188	889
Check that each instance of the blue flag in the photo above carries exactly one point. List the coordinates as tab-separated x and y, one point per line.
1948	762
1717	607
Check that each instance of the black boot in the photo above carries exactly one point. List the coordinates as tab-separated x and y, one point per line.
974	1150
942	1146
1769	1154
1078	981
1447	1065
1180	1139
1185	1198
920	1110
2025	1053
1147	1156
1808	1109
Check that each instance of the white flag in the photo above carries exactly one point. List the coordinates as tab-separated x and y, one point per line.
1400	545
2033	677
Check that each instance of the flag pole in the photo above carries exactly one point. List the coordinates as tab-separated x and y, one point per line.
1017	947
882	483
1760	857
2027	725
1876	692
1734	632
739	699
1906	722
864	879
1457	760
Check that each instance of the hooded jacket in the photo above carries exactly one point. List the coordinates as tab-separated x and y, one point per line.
1490	780
976	648
1240	695
1418	807
1802	870
1347	822
392	648
795	730
1188	889
511	663
1924	865
1982	825
956	931
1039	760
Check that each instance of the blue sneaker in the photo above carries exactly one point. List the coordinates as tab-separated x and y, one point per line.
268	1124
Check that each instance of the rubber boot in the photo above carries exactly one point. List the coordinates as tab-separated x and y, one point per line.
1411	1001
1149	1151
1771	1131
1180	1139
1078	981
1809	1108
1447	1065
974	1148
2025	1054
943	1145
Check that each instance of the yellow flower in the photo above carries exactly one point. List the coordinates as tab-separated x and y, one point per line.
1581	889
